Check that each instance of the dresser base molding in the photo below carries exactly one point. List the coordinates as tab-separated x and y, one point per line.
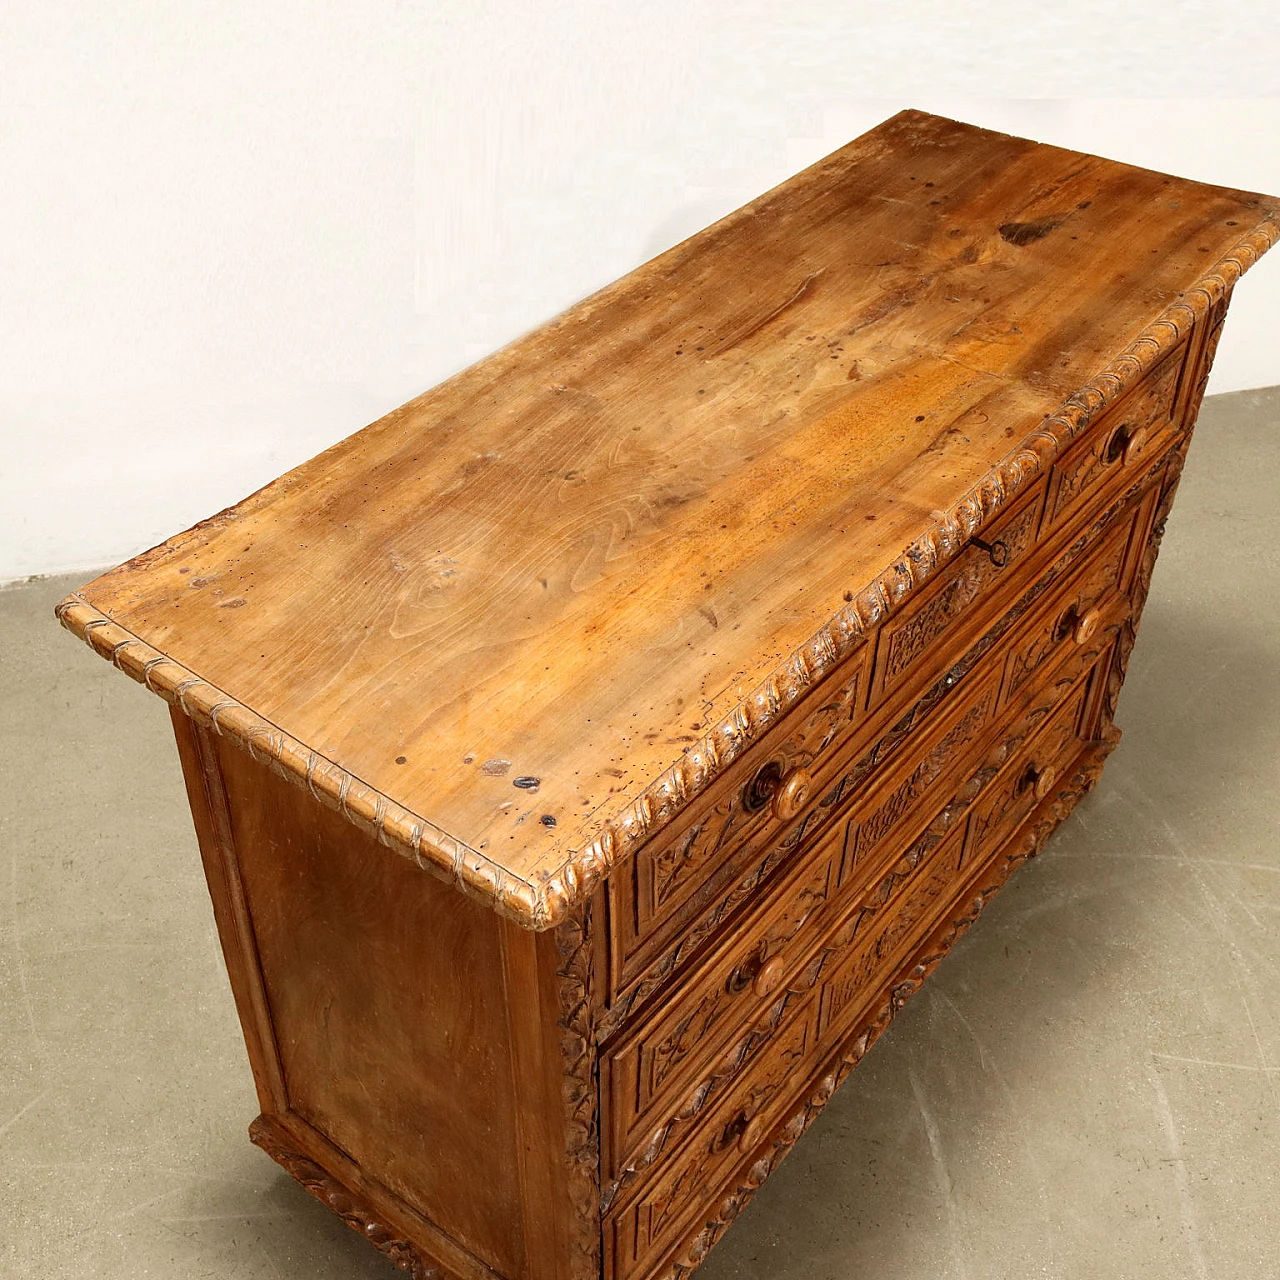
371	1213
1025	844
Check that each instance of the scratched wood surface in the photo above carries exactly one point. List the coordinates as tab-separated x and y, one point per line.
512	603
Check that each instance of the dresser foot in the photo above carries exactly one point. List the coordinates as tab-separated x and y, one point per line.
274	1139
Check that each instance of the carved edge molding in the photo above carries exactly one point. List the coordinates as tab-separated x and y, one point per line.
544	905
946	536
332	1194
392	824
575	972
908	981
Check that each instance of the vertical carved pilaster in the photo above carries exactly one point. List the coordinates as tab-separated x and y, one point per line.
575	970
1141	588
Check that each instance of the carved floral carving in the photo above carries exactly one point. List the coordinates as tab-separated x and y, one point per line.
575	972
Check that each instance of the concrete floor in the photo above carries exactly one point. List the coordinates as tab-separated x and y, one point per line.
1088	1087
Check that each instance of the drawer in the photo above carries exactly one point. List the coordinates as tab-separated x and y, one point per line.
891	790
905	901
1030	776
925	634
885	922
1115	449
671	1201
648	1073
740	822
1080	617
903	797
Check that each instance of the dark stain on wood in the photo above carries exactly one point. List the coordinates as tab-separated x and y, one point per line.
1023	233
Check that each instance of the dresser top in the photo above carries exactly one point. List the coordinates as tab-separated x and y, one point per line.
516	624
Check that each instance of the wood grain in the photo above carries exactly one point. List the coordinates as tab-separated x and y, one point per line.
733	637
515	626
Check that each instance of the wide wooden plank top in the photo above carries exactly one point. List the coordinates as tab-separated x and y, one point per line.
609	555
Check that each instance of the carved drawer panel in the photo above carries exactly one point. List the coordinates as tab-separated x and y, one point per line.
905	900
967	590
887	919
1029	776
894	785
743	821
902	799
651	1069
1105	460
1080	617
668	1203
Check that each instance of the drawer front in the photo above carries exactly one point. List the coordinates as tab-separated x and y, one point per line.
673	1199
888	918
900	801
1079	618
1029	777
723	1115
650	1070
1116	448
681	873
928	624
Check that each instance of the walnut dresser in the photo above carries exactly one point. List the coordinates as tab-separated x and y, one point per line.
589	757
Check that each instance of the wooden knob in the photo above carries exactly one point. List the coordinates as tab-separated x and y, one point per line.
769	979
1133	445
751	1134
792	794
1045	779
1086	626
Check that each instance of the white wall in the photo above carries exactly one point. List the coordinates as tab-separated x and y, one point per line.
231	234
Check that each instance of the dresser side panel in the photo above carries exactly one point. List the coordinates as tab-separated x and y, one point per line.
207	798
386	994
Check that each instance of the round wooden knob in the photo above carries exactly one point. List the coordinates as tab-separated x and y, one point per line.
751	1134
791	796
1087	625
769	979
1133	445
1045	779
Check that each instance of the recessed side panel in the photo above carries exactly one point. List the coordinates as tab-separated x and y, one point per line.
386	994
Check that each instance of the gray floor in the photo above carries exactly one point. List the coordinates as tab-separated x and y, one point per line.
1088	1087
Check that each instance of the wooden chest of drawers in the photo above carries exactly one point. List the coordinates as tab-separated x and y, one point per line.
591	756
